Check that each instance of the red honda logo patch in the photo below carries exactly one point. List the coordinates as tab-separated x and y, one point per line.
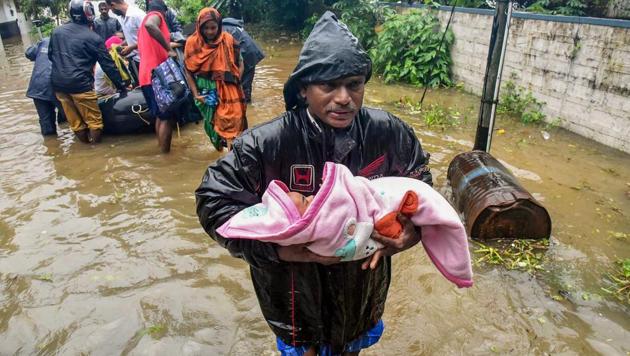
302	178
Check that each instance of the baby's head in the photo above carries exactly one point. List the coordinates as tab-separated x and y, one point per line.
301	202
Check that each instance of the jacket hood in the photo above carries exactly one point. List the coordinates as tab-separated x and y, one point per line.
230	21
330	52
342	215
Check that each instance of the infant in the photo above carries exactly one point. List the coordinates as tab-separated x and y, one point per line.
340	218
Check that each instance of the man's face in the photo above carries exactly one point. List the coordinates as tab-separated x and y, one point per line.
118	8
336	102
103	9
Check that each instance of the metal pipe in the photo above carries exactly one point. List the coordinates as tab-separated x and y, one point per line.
495	98
498	39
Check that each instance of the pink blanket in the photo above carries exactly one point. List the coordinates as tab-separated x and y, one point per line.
342	216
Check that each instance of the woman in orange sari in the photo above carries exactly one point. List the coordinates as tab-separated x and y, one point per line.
213	72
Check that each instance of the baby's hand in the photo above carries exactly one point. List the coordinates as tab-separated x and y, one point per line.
408	238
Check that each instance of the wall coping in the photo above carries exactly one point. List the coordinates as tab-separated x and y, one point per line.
527	15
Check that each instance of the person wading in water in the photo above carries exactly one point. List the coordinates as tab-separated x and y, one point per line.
213	71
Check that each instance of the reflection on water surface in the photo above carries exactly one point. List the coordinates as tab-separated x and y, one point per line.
101	251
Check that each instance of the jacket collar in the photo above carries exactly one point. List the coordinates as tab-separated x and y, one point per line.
339	142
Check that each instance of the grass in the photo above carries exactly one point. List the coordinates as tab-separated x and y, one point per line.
618	280
434	116
523	255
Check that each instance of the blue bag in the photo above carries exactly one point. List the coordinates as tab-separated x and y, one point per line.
169	85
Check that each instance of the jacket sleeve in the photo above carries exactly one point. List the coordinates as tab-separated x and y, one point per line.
172	22
411	160
107	63
228	186
31	51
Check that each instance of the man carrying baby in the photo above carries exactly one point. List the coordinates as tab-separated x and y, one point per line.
316	304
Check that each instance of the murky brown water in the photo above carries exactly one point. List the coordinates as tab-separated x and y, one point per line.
101	252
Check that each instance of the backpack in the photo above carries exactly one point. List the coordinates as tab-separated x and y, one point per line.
169	85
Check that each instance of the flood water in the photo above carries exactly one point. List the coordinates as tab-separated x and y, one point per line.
101	252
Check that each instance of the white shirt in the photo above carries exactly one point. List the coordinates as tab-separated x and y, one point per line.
102	85
130	26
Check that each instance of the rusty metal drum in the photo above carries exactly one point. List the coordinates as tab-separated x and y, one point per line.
494	204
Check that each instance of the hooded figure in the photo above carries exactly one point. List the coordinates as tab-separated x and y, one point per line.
315	303
344	212
250	51
330	52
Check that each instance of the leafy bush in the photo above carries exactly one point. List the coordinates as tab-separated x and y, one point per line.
187	10
362	17
308	25
567	8
520	102
48	25
407	50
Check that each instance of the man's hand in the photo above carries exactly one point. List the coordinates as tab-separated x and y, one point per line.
408	238
125	50
172	53
300	253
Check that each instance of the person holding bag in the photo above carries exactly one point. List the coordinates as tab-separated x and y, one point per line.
154	48
213	70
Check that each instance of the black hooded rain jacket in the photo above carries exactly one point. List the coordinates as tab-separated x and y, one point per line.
309	303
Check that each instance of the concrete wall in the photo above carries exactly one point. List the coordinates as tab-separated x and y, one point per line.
579	66
8	11
8	19
580	70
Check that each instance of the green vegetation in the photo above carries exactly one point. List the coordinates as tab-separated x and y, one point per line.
407	50
568	8
618	280
362	17
520	103
187	9
45	277
593	8
36	8
155	331
436	116
46	28
524	255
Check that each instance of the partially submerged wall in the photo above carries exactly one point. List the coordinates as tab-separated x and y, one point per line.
580	67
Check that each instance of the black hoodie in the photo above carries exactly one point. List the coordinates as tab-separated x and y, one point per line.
330	52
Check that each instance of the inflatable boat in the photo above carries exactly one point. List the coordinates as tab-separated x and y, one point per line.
126	115
129	115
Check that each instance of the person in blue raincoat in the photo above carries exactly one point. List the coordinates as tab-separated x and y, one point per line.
250	51
40	90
